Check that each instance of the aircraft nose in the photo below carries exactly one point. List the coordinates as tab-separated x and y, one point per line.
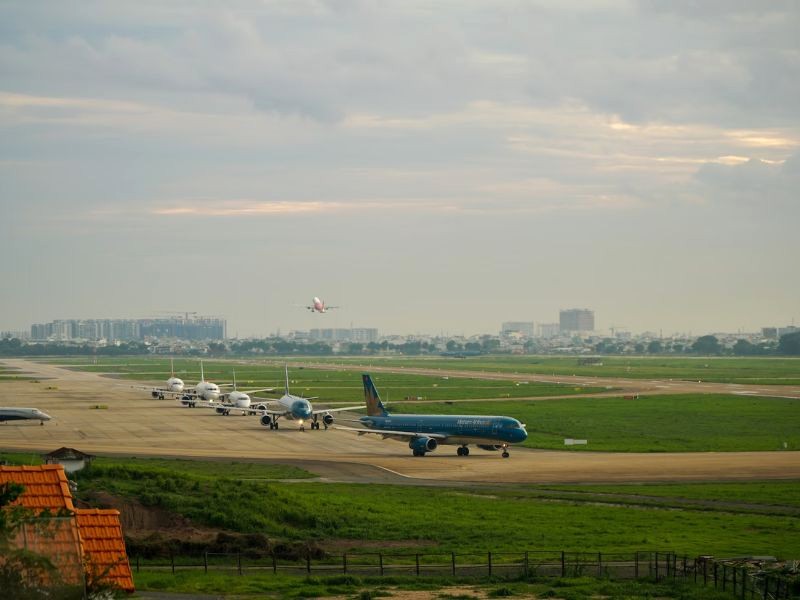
301	410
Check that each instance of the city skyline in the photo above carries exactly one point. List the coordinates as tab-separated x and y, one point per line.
437	168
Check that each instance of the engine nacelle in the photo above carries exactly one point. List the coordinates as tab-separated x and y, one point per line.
154	394
261	407
327	419
490	447
423	444
220	410
266	420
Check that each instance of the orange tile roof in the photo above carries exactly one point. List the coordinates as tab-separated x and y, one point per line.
46	486
104	546
95	534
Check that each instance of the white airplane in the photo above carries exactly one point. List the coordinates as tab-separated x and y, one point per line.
319	306
210	393
299	409
10	413
175	385
235	400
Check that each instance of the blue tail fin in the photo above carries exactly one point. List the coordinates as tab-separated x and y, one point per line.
375	407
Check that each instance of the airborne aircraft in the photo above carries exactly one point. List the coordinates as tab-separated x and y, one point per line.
319	306
424	433
299	409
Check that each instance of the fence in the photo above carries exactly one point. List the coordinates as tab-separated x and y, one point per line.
741	581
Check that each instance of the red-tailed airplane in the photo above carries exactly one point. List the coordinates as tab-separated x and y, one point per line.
319	306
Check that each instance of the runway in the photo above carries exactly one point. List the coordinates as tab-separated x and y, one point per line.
100	415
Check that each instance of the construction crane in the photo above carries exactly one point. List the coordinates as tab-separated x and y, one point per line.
178	313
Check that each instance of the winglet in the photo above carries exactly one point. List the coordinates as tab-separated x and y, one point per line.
375	407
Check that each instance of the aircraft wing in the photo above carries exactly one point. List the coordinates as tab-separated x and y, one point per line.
395	434
320	411
272	389
164	391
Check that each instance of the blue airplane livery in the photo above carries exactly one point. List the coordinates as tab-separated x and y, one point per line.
424	433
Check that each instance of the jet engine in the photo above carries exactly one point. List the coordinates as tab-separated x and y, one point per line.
261	407
490	447
423	444
266	420
220	410
327	419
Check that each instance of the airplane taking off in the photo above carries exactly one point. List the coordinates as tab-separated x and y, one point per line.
297	408
10	413
424	433
319	306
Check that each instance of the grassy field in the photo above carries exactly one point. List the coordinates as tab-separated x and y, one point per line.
670	423
279	586
779	371
332	386
462	520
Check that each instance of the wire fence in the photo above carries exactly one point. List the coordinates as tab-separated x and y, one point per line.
741	580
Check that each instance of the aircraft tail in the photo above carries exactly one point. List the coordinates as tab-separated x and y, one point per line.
286	381
202	376
172	367
234	380
375	407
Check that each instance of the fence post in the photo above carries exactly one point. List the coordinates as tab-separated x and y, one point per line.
724	576
172	561
734	581
636	565
527	565
656	566
205	562
599	564
716	582
308	562
274	564
453	562
137	563
344	563
490	564
380	560
766	587
239	562
416	557
563	564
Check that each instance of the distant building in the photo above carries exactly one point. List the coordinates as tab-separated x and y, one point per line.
576	319
770	333
549	330
124	330
523	328
364	335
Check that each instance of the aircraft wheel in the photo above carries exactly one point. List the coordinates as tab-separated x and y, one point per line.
418	453
276	424
460	451
466	451
506	454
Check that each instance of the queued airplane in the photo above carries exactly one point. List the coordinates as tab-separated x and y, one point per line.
175	385
11	413
236	400
319	306
299	409
424	433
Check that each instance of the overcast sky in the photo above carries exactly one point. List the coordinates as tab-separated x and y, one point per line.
428	166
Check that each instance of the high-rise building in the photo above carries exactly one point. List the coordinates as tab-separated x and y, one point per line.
199	328
548	330
576	319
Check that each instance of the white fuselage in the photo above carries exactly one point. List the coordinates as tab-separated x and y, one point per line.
239	399
319	305
19	414
207	391
175	384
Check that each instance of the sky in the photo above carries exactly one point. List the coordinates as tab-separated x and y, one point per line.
429	167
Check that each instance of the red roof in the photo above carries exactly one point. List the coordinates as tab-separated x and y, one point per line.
104	546
95	534
46	487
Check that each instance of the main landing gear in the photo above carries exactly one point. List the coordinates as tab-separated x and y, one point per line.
462	451
505	451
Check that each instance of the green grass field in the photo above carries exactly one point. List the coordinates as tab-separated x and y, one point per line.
779	371
669	423
457	519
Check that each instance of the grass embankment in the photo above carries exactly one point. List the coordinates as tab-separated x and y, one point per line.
761	370
461	520
670	423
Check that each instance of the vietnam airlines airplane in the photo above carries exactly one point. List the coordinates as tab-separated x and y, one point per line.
424	433
10	413
299	409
